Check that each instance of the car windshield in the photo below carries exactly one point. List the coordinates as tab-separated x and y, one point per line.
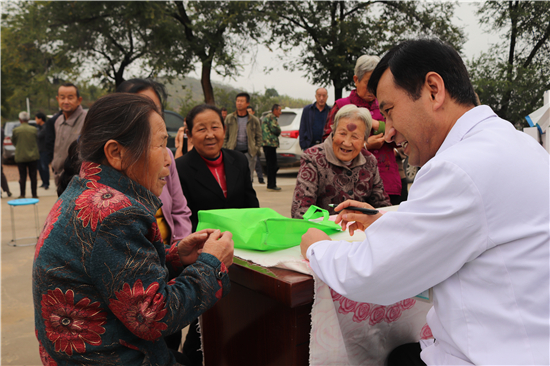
286	118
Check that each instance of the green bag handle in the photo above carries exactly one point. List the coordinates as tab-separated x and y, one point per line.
314	212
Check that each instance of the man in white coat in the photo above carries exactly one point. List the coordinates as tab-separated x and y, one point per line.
475	226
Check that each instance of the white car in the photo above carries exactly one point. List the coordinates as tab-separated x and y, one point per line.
289	151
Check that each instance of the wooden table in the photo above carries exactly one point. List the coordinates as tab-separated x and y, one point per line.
265	319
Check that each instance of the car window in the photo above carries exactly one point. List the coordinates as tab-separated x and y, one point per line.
9	127
286	118
173	121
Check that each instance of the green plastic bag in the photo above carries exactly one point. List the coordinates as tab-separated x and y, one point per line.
263	228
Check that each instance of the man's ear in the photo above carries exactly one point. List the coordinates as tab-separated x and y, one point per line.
114	153
436	87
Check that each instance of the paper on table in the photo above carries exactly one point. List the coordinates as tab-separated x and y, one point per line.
291	258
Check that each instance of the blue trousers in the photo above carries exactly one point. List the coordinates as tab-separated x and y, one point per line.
44	168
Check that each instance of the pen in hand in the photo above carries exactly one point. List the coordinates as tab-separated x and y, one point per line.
367	211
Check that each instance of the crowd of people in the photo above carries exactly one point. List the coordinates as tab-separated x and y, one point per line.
120	269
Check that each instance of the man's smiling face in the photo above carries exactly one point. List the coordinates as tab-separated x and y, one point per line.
409	123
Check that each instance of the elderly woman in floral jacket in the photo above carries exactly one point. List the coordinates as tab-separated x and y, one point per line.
106	290
340	168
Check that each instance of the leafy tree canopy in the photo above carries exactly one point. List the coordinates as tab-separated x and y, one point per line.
29	65
331	35
218	34
513	75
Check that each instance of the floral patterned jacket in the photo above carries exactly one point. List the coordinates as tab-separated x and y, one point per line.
324	179
106	290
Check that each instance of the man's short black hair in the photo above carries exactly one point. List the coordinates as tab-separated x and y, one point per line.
250	107
275	107
223	109
41	116
410	61
70	85
246	95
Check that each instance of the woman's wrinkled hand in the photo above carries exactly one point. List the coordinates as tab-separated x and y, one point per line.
375	142
220	245
191	246
360	220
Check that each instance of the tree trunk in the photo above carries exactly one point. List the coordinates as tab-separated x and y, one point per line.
337	92
119	77
206	83
513	13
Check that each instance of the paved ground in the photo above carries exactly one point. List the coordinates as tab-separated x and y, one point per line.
19	345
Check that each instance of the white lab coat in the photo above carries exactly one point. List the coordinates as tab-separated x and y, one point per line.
476	229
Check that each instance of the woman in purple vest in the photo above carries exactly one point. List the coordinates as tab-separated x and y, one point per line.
383	151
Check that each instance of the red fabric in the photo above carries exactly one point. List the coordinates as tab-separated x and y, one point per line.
218	171
387	166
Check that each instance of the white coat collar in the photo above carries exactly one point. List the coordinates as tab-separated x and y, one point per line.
464	124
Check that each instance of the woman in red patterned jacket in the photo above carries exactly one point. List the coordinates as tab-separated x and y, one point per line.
106	290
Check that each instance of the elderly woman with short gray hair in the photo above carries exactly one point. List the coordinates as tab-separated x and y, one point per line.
383	151
339	168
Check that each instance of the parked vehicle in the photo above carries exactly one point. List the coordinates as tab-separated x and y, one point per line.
173	122
8	154
289	151
172	119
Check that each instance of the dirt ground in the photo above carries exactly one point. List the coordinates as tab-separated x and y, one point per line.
11	172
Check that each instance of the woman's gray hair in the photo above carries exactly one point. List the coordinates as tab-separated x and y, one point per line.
354	112
365	64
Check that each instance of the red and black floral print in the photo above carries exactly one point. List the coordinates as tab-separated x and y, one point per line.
89	170
100	276
98	202
48	226
71	326
140	310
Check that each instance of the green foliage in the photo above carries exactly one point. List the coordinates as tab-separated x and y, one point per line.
28	65
187	102
331	35
226	98
523	93
514	86
261	102
106	37
217	34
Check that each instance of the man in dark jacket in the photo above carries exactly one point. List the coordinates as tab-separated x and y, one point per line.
45	139
314	118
